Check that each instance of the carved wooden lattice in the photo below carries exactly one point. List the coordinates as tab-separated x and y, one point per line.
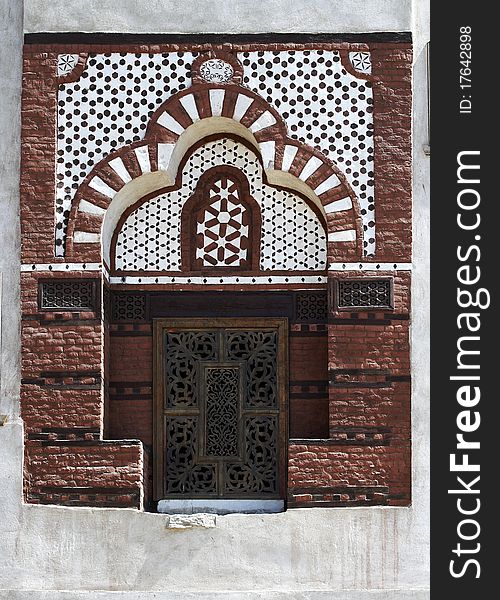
222	397
183	475
258	349
184	350
258	474
220	394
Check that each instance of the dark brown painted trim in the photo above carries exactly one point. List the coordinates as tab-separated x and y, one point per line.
403	37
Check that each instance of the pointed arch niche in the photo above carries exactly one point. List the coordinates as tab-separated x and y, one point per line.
221	223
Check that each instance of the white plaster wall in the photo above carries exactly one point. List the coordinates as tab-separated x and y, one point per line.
53	553
218	16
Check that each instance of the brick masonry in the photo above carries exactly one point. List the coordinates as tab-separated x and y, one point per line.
88	379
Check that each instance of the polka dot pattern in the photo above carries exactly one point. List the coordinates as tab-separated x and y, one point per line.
326	107
107	108
150	237
112	102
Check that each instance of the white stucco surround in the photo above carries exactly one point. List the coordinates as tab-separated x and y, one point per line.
308	554
218	16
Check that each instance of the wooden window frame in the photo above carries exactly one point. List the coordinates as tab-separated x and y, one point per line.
159	325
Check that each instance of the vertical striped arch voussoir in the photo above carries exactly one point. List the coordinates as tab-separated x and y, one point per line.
288	164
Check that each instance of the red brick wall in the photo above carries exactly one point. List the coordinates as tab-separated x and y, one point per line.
62	408
391	68
85	380
308	353
83	473
369	411
131	384
38	155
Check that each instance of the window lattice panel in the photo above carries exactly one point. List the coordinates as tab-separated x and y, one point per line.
128	307
184	475
68	295
259	474
259	350
222	393
292	237
364	293
311	307
221	412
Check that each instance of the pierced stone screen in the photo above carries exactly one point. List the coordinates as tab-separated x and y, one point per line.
68	295
364	293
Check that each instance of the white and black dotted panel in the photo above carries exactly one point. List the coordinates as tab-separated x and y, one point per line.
292	236
326	107
107	108
150	237
112	102
221	152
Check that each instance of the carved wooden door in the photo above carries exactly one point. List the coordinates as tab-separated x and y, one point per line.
220	399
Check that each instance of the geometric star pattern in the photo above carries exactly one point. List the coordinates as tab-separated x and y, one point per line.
321	103
66	63
222	227
361	61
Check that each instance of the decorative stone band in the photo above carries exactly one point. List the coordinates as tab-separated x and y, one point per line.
228	280
212	109
60	267
87	267
370	266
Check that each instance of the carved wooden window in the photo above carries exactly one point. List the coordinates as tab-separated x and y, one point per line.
221	224
220	388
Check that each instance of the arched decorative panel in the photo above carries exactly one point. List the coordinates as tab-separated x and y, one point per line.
224	215
221	223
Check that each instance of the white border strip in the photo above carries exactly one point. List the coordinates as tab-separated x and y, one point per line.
30	268
345	235
162	279
372	266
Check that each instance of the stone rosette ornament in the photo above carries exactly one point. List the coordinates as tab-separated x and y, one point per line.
217	67
216	70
